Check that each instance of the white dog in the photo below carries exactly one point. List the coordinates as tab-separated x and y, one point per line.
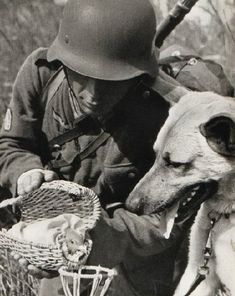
195	161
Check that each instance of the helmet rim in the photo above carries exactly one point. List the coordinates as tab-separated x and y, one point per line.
103	69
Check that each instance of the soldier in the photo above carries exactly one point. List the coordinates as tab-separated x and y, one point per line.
88	109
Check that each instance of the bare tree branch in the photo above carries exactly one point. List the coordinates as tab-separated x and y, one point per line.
205	9
216	14
228	27
8	41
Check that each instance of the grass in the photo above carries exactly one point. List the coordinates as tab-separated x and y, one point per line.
14	281
24	26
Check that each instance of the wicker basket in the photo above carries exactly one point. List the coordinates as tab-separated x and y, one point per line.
95	280
51	200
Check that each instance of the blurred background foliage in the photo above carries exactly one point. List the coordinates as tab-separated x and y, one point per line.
209	30
24	26
28	24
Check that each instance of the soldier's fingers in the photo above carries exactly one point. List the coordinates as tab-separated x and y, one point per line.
20	189
23	262
29	180
20	186
35	180
16	256
12	253
32	181
50	175
39	273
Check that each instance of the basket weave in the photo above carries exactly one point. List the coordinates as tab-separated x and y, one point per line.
49	201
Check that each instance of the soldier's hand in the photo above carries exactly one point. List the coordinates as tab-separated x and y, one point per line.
33	270
33	179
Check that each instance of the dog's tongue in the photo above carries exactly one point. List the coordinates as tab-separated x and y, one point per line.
168	219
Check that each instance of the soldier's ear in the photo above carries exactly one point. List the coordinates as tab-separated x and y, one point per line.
220	134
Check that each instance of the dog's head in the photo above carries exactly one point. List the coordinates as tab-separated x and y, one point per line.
195	159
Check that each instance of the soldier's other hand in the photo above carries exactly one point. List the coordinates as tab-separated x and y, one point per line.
33	270
40	273
33	179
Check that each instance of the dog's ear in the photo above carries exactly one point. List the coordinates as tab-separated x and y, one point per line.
220	134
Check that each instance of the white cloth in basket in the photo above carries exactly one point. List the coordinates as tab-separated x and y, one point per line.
47	231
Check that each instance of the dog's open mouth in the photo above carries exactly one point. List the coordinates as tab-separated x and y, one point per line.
185	203
194	196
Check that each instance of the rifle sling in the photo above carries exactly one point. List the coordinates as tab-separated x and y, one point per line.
93	146
176	59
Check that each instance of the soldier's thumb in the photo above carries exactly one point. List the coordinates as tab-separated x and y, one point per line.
50	175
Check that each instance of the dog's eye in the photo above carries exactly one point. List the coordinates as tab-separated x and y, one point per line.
174	164
177	164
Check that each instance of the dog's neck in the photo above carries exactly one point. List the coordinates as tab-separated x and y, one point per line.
221	204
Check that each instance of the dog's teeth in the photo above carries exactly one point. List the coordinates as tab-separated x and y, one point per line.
184	203
189	198
193	193
176	215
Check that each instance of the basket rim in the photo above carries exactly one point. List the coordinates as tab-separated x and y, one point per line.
80	192
110	272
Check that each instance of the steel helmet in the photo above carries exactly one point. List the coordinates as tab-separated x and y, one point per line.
107	39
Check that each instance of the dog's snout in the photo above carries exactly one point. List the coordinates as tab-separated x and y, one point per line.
135	204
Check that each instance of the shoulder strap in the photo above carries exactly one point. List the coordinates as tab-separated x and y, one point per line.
69	135
170	89
177	59
94	145
53	84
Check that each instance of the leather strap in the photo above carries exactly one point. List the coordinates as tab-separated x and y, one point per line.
69	135
203	270
196	283
93	146
176	59
54	84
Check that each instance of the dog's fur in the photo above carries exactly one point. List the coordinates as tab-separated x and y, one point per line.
195	148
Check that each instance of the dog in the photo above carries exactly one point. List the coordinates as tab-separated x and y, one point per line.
195	167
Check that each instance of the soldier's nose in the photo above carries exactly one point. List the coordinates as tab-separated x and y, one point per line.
90	91
88	97
91	86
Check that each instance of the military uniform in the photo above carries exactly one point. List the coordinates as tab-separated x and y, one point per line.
45	128
108	155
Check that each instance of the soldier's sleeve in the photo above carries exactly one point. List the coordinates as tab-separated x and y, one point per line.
20	131
126	231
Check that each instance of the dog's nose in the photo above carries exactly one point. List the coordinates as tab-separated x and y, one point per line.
135	204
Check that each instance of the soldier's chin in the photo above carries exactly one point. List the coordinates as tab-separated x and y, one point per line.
87	110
